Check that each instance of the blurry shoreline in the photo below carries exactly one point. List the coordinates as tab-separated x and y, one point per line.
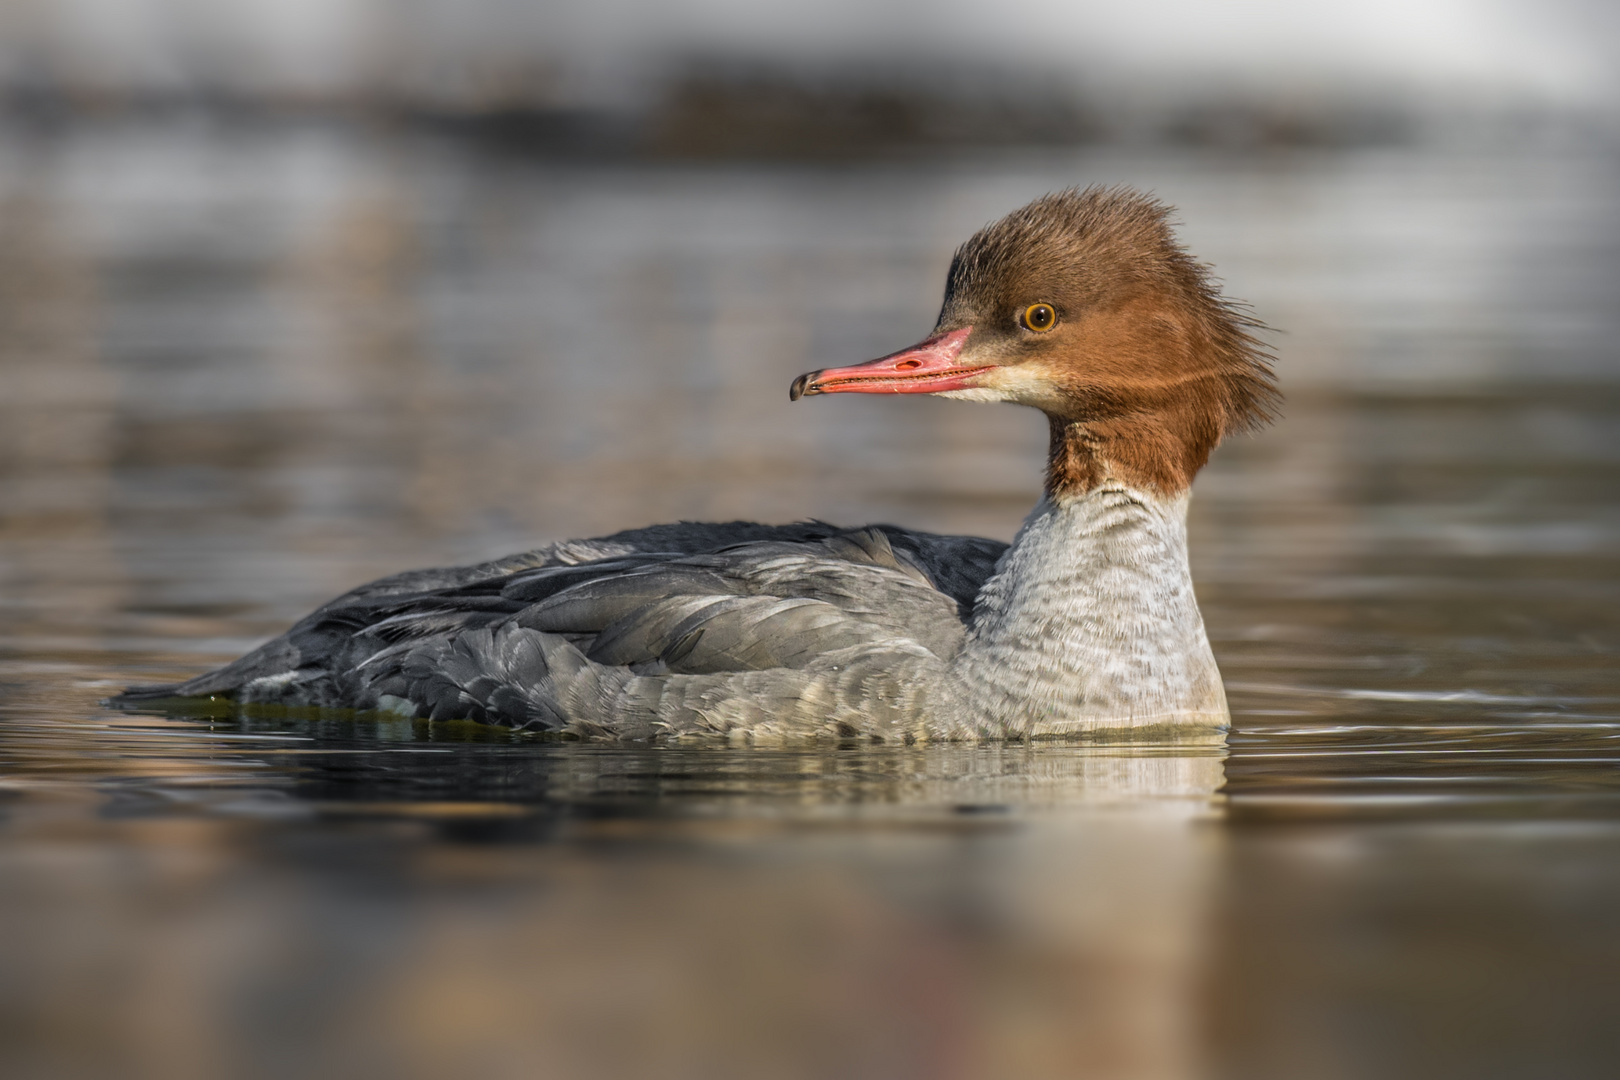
736	110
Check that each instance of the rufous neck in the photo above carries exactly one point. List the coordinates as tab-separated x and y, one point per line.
1157	453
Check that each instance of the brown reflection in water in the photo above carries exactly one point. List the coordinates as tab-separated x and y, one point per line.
188	949
1468	949
330	897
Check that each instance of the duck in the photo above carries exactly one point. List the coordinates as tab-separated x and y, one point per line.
1082	304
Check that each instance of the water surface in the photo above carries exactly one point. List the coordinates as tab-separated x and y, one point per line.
245	368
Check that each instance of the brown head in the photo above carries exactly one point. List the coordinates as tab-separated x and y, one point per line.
1083	305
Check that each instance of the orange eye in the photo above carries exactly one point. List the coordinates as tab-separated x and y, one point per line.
1040	317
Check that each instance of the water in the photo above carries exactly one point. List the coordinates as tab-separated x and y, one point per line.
244	368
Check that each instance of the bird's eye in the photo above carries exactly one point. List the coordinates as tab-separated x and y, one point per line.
1040	317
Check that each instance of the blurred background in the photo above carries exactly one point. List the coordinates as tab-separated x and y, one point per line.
296	293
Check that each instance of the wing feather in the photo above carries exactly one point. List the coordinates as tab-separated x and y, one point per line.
673	629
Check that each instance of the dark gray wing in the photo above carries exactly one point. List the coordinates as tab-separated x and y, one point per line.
667	601
957	565
758	606
751	606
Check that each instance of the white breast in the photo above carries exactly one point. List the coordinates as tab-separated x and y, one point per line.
1090	624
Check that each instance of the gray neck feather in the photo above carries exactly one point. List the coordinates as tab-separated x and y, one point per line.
1090	624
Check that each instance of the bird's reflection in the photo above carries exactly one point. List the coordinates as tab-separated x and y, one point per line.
478	779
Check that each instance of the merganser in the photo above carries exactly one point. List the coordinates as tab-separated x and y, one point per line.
1081	304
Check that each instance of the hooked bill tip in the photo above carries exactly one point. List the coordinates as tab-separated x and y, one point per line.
801	386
